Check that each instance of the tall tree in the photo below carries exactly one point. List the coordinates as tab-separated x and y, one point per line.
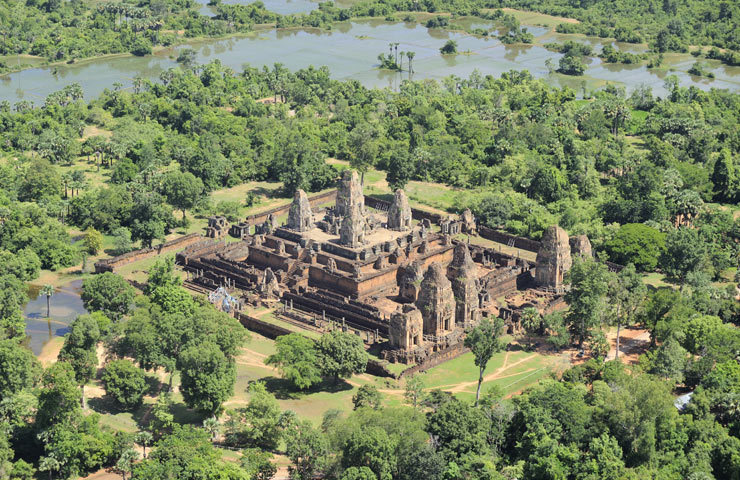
80	349
586	298
208	377
307	449
627	293
108	293
297	360
181	189
341	355
484	340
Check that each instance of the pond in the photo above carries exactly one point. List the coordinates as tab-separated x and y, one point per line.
65	304
350	51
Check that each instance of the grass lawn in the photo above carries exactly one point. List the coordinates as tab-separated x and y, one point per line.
534	18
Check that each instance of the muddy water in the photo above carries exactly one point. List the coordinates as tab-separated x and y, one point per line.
350	51
66	305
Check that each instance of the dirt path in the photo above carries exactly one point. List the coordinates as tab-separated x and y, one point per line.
493	375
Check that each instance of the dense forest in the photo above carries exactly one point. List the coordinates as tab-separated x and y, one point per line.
58	30
652	181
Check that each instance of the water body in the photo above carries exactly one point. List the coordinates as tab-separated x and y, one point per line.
66	305
350	51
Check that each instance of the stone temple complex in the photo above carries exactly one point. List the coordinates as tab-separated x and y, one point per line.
379	269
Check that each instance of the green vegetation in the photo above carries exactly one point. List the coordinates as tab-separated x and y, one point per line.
666	26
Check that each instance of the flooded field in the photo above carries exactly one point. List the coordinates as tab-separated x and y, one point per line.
350	51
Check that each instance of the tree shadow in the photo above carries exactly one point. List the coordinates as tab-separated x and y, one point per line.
284	389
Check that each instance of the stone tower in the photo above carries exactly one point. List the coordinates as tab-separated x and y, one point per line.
399	215
406	328
411	281
553	259
436	302
463	274
581	245
300	217
352	231
349	195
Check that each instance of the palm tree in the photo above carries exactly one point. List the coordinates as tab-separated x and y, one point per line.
400	66
144	438
410	56
47	290
212	426
126	462
49	464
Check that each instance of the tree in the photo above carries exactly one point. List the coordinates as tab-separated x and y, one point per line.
586	298
571	65
449	48
121	241
484	340
48	291
187	454
93	241
59	397
257	424
724	177
297	360
181	189
373	448
341	355
144	439
364	148
125	383
367	396
257	465
12	297
108	293
683	253
669	360
19	369
80	349
531	321
125	462
637	244
458	429
212	426
361	473
627	293
414	391
207	377
306	447
410	56
162	420
49	464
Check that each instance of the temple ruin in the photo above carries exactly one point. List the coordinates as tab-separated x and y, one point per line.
379	269
553	259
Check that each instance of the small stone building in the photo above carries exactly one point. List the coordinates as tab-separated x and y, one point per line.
217	227
406	328
581	245
553	259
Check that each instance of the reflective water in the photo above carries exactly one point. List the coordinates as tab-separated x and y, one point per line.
350	50
65	304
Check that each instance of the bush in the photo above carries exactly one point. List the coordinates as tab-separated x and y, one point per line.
125	383
142	46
